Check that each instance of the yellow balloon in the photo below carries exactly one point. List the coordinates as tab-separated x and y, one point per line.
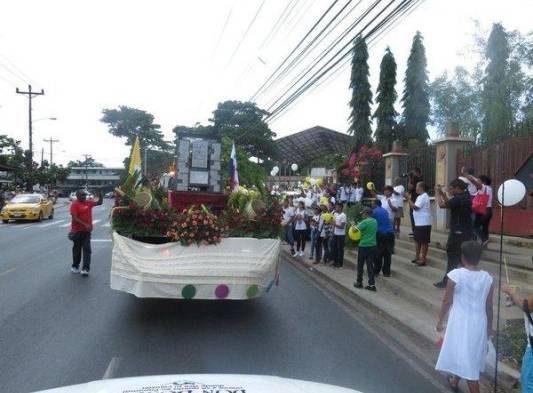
324	200
320	182
328	217
370	185
354	233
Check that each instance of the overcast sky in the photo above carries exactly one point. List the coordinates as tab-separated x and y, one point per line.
175	60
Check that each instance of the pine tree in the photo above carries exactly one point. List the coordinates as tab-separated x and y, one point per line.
386	97
415	99
361	96
496	97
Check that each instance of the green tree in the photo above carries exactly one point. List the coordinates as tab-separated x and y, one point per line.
243	122
415	98
496	103
157	162
456	98
386	96
126	122
361	95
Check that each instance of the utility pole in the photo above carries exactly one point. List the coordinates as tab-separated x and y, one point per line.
52	141
42	156
87	156
30	95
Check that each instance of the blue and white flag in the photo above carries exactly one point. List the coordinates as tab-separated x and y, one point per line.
234	175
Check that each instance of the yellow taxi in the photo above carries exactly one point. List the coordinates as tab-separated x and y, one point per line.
33	207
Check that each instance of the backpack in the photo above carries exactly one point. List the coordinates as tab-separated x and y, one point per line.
480	202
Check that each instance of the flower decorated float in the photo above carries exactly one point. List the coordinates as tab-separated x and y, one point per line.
194	243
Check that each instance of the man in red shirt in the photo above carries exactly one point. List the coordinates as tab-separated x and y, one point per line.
81	211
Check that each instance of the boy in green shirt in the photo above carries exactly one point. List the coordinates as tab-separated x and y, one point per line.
367	249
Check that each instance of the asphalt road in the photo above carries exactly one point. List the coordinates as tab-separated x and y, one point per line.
59	329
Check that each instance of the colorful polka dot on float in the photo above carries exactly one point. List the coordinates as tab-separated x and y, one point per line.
188	291
222	291
252	291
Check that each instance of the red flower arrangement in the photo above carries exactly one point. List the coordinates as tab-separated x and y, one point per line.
197	226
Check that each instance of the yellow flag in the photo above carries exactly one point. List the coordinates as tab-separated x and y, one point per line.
135	158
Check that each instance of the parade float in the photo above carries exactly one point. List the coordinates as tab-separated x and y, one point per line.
193	241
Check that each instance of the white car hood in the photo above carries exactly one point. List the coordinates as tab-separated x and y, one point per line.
201	383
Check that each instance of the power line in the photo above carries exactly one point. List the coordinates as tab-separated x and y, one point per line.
17	69
291	22
8	81
281	19
294	49
397	14
301	17
13	73
245	33
321	72
221	34
252	63
317	60
334	75
305	49
313	79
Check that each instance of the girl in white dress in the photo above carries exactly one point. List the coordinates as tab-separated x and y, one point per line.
469	294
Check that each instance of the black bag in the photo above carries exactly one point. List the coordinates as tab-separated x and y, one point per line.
72	236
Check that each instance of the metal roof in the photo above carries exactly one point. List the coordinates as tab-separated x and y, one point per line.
308	145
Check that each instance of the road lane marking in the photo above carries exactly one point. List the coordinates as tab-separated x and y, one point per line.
65	225
112	368
101	240
44	225
107	225
51	223
7	271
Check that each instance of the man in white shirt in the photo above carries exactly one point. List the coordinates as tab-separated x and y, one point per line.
398	194
339	235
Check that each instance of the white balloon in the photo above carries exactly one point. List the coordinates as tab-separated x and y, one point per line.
276	170
272	172
514	192
313	181
294	167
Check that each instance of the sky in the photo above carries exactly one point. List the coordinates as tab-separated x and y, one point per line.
177	59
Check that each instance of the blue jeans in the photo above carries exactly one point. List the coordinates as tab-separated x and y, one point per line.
527	371
326	245
290	235
314	236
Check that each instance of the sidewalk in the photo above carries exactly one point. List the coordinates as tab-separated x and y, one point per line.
409	296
